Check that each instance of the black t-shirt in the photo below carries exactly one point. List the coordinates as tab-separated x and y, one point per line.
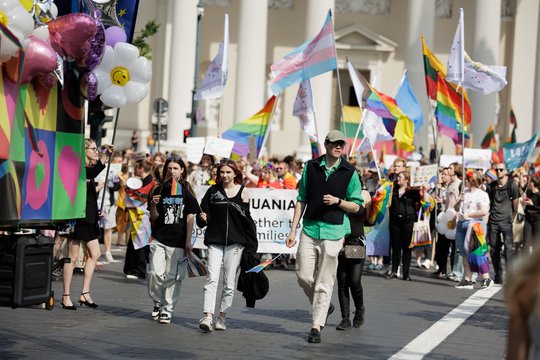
170	226
501	197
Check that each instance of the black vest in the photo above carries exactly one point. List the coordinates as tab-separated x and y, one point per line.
318	186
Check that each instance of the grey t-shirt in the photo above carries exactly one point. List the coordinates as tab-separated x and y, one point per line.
501	207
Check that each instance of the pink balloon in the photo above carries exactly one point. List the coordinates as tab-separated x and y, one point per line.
88	86
71	34
115	34
40	59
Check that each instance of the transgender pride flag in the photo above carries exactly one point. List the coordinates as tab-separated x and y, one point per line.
312	58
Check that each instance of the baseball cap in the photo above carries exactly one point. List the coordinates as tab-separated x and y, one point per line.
335	135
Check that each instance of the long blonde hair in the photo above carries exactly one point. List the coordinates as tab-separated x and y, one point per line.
87	143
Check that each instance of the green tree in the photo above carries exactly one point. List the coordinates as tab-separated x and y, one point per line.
151	28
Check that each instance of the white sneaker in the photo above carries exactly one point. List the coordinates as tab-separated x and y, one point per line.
426	264
109	258
205	324
165	318
220	324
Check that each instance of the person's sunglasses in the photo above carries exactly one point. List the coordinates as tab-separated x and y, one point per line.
92	148
279	168
499	170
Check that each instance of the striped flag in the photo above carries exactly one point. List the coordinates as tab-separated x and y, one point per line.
312	58
303	109
489	139
512	119
409	104
396	122
215	79
176	188
448	113
255	126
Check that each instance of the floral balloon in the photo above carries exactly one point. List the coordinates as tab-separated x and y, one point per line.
19	21
122	76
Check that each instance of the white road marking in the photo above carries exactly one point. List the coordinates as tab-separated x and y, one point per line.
424	343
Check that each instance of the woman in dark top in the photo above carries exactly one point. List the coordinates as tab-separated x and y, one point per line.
223	207
405	204
531	200
175	208
86	229
349	271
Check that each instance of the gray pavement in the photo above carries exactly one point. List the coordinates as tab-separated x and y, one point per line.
121	327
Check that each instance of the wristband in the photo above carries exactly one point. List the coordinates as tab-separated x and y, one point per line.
339	202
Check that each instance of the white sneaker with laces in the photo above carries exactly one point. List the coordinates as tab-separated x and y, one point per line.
205	324
165	318
220	324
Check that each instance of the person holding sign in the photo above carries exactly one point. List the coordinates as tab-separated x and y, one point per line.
406	201
172	224
330	187
86	229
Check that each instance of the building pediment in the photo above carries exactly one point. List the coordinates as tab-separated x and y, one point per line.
358	37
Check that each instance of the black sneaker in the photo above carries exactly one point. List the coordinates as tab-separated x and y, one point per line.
358	319
344	324
156	312
314	336
486	283
464	284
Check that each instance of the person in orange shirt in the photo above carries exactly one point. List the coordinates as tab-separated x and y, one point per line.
285	178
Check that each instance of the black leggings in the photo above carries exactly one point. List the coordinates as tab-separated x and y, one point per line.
400	237
349	276
441	253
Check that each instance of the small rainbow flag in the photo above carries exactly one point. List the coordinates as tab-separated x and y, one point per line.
478	249
380	202
176	188
261	266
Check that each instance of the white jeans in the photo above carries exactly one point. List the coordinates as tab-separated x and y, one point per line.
230	256
165	275
316	267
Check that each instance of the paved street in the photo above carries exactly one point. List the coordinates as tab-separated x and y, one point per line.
396	313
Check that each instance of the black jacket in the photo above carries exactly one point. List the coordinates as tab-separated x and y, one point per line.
254	286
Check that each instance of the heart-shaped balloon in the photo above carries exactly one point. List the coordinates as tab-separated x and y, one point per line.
97	49
40	59
71	34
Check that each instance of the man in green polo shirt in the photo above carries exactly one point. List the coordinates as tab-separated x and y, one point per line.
330	187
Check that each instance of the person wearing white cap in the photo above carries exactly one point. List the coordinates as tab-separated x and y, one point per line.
329	188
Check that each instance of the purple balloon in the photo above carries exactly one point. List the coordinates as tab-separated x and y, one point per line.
97	48
115	34
89	86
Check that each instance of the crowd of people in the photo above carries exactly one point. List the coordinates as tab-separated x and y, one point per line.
491	215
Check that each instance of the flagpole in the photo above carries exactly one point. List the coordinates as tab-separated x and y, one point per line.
357	132
339	82
375	158
269	124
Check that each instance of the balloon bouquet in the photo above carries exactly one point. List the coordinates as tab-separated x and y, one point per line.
108	66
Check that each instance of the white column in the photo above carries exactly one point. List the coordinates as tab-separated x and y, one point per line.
251	63
536	102
182	68
321	86
420	20
484	48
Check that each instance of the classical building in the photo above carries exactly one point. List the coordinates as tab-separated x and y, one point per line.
381	38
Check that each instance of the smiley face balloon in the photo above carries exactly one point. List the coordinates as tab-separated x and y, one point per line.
122	76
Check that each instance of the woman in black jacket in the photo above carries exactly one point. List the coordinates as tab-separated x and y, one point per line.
224	207
86	229
531	200
405	204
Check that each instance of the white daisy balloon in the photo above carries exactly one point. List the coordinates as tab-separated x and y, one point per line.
122	76
19	21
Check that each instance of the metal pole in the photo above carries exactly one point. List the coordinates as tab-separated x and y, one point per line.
159	125
109	162
193	115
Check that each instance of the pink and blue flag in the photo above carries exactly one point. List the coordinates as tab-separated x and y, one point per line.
312	58
408	103
261	266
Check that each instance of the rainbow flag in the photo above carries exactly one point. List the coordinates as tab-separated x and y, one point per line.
396	122
380	202
255	126
448	113
352	117
261	266
478	249
432	69
312	58
176	188
139	216
488	142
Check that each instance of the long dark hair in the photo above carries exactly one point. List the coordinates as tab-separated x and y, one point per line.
238	178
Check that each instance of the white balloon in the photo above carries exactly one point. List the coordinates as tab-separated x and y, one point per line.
42	33
135	92
108	61
114	96
142	71
442	223
125	54
103	80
